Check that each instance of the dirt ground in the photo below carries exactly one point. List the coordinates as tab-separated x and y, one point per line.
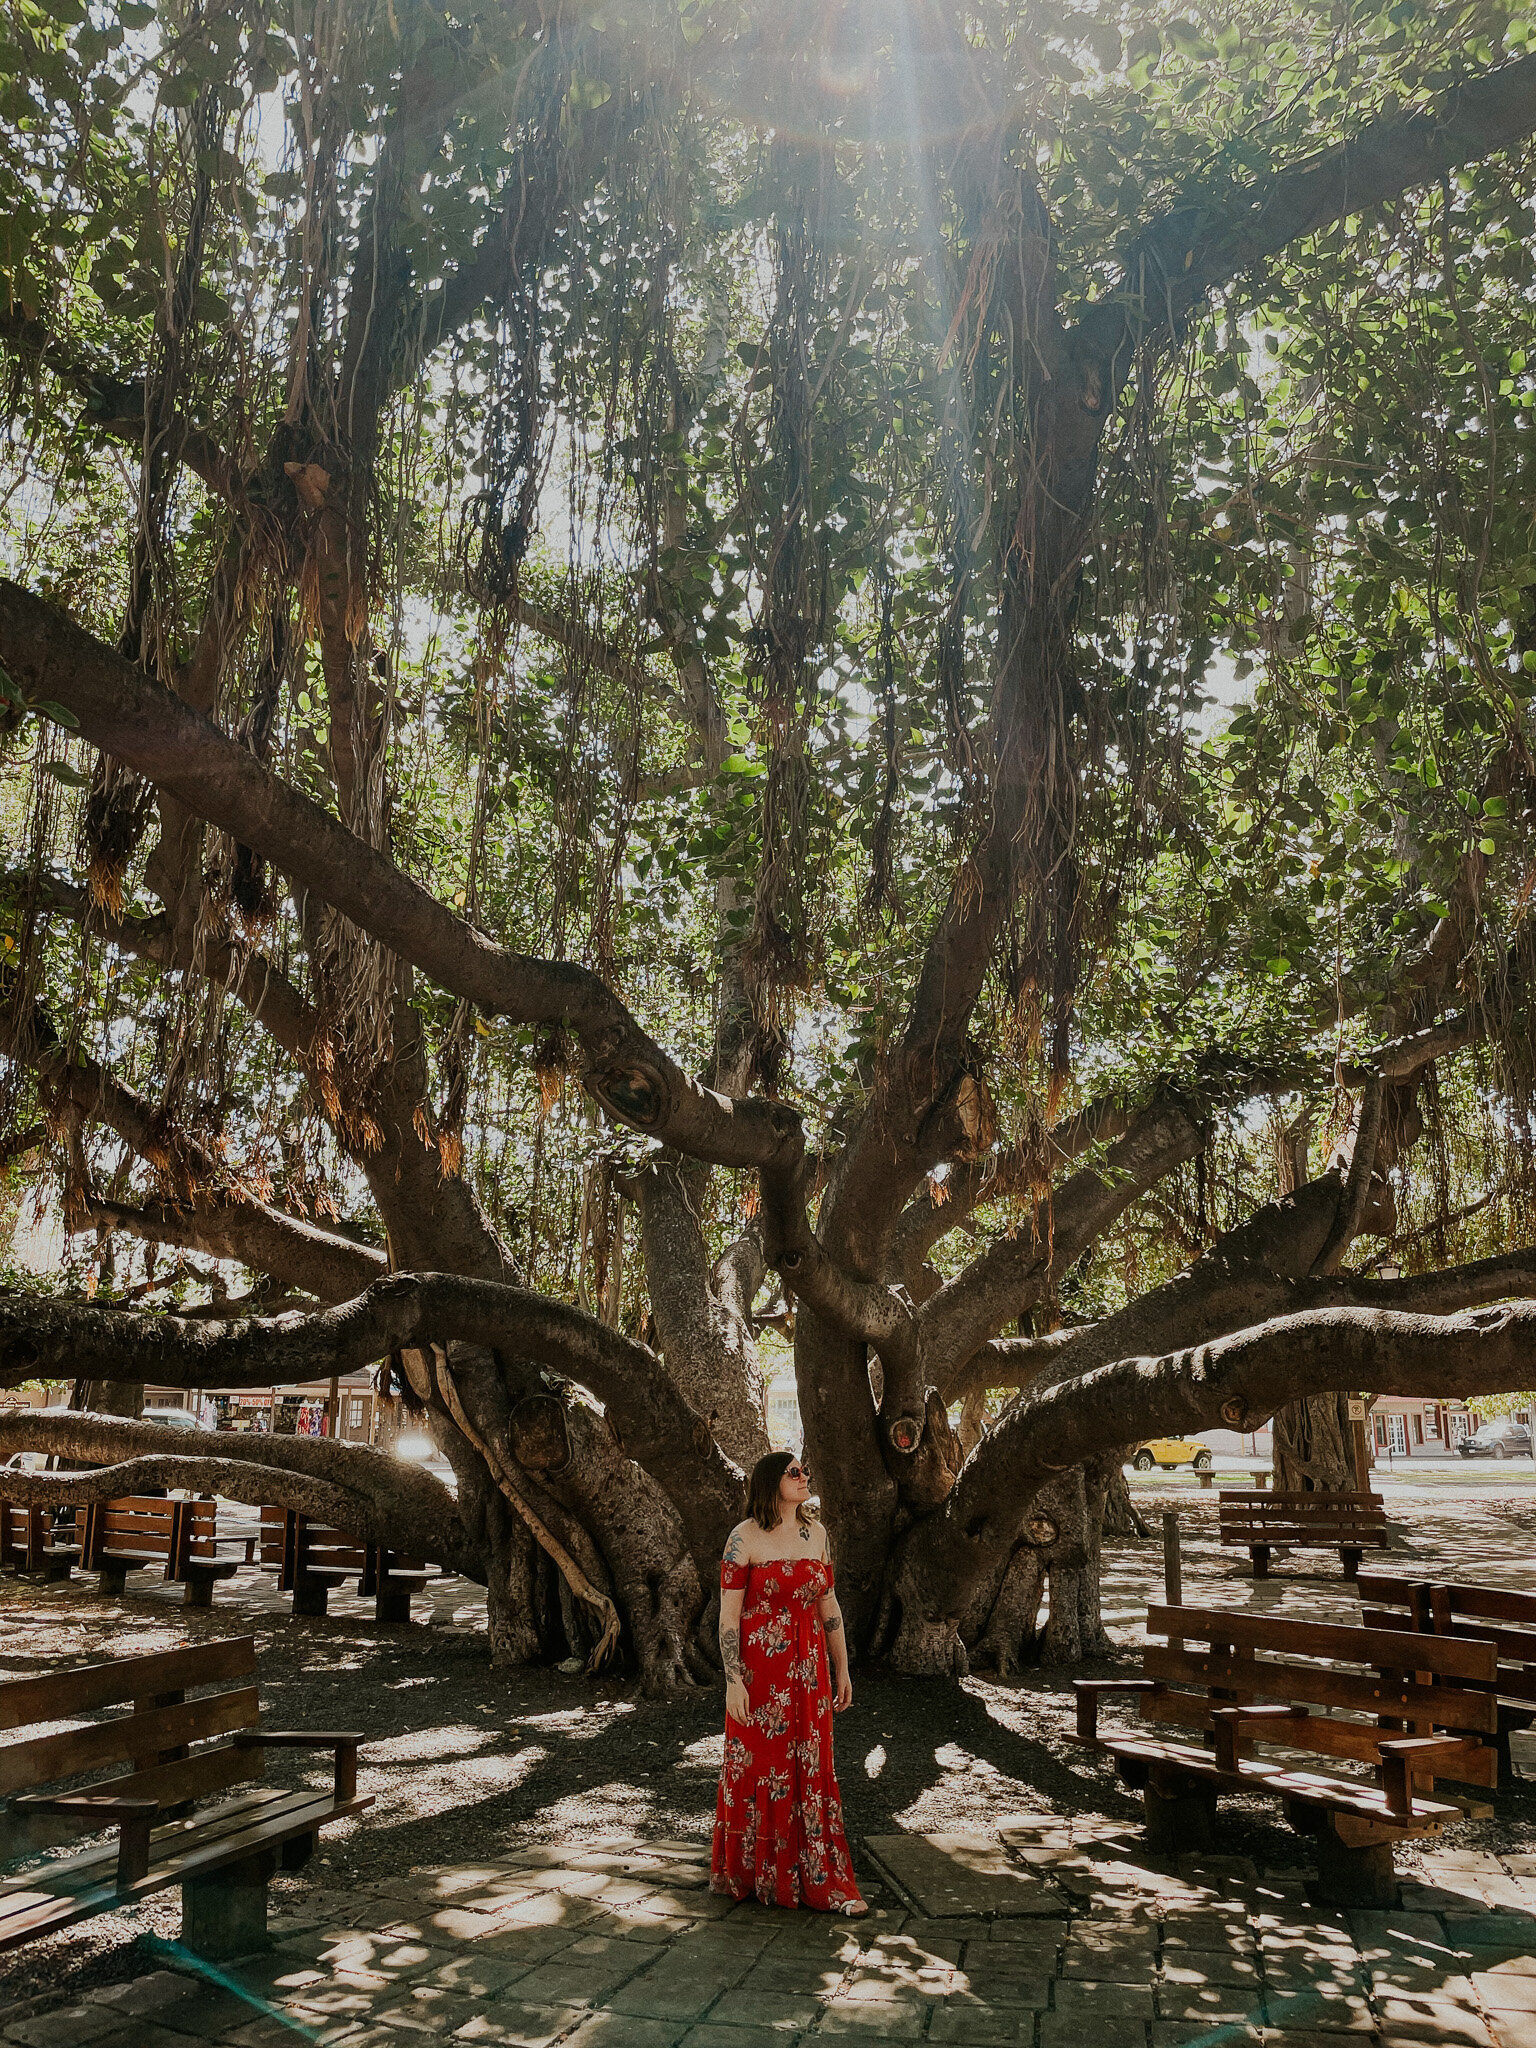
468	1763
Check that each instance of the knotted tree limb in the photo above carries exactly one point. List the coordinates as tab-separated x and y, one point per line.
405	1311
504	1470
370	1495
1238	1382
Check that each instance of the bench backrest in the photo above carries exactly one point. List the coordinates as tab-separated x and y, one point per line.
1475	1613
1423	1685
137	1525
1300	1518
24	1535
153	1738
292	1544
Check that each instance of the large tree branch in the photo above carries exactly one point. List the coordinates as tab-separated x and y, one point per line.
1016	1271
406	1311
381	1499
1235	1383
228	1226
1172	267
128	715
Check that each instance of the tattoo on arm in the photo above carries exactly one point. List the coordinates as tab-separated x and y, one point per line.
733	1547
730	1653
833	1625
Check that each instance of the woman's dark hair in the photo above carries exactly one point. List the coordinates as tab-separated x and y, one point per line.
763	1490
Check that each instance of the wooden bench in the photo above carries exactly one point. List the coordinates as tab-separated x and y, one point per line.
1259	1523
120	1536
222	1857
310	1558
27	1542
1413	1711
1470	1614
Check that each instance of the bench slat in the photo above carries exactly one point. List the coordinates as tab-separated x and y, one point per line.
128	1736
1252	1678
1308	1787
1319	1735
203	1851
58	1694
1444	1655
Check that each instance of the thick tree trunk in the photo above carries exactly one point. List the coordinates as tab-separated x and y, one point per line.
857	1494
1313	1446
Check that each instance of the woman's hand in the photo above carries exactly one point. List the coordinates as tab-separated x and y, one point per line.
738	1706
843	1697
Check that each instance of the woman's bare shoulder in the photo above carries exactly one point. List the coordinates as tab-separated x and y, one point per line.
739	1545
818	1535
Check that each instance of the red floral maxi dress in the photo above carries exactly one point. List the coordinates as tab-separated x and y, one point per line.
779	1815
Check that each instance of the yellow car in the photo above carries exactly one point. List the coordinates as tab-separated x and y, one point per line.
1172	1450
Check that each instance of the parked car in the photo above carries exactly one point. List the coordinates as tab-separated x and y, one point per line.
1173	1450
25	1461
173	1418
1505	1438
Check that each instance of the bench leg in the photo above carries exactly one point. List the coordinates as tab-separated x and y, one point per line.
1354	1877
310	1599
298	1852
199	1592
1181	1814
1259	1552
392	1607
225	1913
1350	1559
114	1578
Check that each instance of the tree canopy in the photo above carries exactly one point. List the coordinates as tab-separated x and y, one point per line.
887	648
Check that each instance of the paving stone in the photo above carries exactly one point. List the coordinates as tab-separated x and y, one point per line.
1208	2001
208	2012
954	1875
1506	1990
662	1994
1197	2034
988	1987
1319	2010
1489	1930
875	2022
1063	2030
506	2025
1109	1962
794	1973
707	2035
526	1945
1209	1966
988	2026
1093	2002
1513	2029
476	1975
1445	2022
781	2010
1517	1965
151	1993
566	1980
67	2026
1423	1977
610	2030
911	1950
1207	1932
146	2033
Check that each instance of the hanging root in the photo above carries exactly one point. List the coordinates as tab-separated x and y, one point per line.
602	1609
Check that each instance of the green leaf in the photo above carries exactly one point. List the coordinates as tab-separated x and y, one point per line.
62	772
59	713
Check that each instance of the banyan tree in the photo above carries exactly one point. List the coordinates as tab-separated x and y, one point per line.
685	680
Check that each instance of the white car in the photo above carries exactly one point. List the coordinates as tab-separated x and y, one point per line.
172	1418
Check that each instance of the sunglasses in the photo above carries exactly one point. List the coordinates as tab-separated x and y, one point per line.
796	1472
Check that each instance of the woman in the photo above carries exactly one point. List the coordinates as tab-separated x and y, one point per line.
779	1816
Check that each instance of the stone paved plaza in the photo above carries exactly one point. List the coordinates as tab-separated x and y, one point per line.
620	1942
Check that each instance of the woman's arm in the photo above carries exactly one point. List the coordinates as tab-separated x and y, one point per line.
738	1704
837	1651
